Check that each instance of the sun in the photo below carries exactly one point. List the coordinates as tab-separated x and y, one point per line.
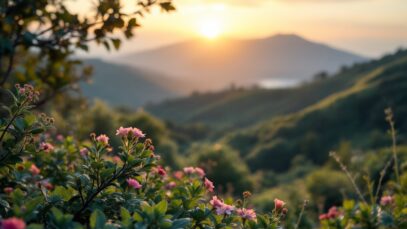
210	29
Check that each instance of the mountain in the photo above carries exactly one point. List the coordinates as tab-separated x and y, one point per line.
120	85
215	64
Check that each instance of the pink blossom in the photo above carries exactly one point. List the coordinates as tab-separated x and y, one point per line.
34	170
216	202
8	190
60	137
116	159
200	171
278	204
189	170
178	174
323	217
161	171
137	133
134	183
123	132
84	152
386	200
225	209
208	185
12	223
46	147
47	185
171	185
249	214
103	139
333	213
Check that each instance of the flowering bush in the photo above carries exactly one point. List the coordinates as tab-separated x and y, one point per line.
63	183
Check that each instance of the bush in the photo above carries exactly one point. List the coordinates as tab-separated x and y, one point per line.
65	183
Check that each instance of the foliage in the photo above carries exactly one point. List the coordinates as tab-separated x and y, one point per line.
39	37
70	184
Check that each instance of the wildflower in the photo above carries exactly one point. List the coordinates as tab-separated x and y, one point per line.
84	152
152	148
137	133
8	190
103	139
34	170
60	137
178	174
386	200
46	147
133	183
123	132
209	185
161	171
278	204
116	159
12	223
323	217
247	194
333	213
171	185
225	209
216	202
249	214
199	171
189	170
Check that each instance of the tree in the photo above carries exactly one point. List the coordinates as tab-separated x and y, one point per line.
39	37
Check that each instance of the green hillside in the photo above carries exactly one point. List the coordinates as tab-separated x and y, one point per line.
120	85
244	107
350	113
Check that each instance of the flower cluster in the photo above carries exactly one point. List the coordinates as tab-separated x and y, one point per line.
332	213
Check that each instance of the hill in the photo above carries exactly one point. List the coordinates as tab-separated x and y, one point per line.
214	65
353	114
243	107
120	85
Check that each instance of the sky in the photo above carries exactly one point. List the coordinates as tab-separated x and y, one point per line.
367	27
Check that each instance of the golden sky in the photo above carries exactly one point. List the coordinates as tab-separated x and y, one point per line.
368	27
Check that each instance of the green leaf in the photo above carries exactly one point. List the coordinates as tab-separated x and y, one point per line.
181	223
97	219
116	43
161	207
125	214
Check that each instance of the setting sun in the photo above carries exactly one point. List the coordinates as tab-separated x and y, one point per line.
210	29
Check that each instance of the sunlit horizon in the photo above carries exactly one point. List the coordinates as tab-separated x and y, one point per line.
369	28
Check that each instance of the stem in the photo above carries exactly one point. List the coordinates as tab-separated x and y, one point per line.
394	150
304	205
351	179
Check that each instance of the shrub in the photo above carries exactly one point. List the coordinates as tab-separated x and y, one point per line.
60	182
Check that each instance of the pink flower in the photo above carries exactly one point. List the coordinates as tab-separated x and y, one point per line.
8	190
161	171
12	223
278	204
323	217
386	200
123	132
189	170
116	159
84	152
34	170
208	185
137	133
178	175
60	137
199	171
47	185
134	183
46	147
225	209
249	214
103	139
216	202
171	185
333	213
